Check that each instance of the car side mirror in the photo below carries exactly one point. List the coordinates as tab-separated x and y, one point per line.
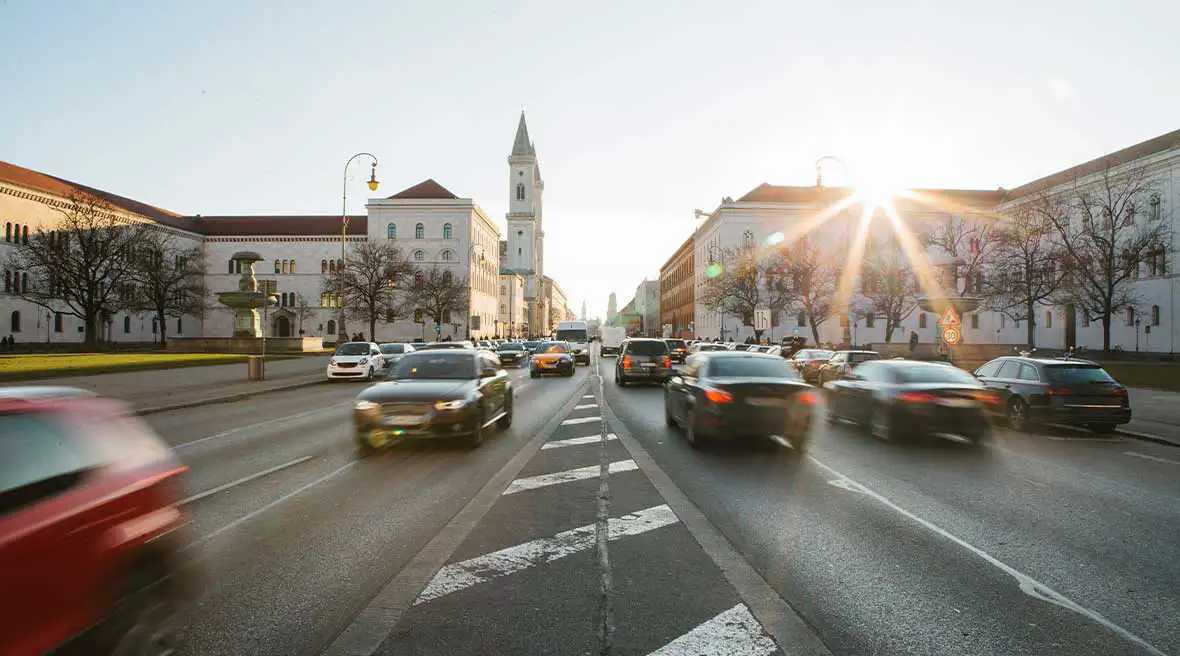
488	373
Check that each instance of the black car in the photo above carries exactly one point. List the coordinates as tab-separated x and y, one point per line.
841	364
532	345
512	353
896	399
678	349
643	359
733	394
1059	391
431	394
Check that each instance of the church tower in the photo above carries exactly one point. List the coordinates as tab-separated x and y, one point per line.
526	238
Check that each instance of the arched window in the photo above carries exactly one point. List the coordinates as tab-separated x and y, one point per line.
1048	319
332	266
324	300
747	239
24	282
331	326
922	320
801	319
1155	315
15	321
419	231
447	231
1130	316
419	255
57	322
520	191
391	230
25	235
230	268
179	325
238	266
278	267
446	277
286	266
447	256
8	231
7	281
418	278
126	324
292	266
155	325
323	266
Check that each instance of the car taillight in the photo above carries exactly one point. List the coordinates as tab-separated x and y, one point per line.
807	398
1057	391
1122	391
985	397
717	396
916	397
667	362
626	362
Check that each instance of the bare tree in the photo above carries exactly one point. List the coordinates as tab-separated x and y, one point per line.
748	280
556	316
1113	222
811	274
438	294
969	243
167	278
888	285
1025	266
82	266
375	279
303	311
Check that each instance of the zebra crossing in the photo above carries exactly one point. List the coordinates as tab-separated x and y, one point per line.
579	555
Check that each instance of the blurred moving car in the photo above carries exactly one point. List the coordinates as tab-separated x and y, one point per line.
91	529
809	361
739	347
392	352
512	353
1060	391
678	349
531	345
897	399
356	360
643	359
731	395
841	364
703	347
552	358
431	394
436	346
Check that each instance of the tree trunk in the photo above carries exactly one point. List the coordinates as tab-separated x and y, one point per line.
888	330
1106	315
1031	312
90	341
814	330
161	319
372	327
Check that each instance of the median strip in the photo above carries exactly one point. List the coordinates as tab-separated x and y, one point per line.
733	632
568	476
582	420
577	441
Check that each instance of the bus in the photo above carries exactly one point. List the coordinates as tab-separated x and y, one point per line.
576	334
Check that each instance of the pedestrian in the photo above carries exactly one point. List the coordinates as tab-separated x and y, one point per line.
913	342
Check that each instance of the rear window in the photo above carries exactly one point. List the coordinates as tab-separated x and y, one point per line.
647	348
676	343
393	349
510	347
933	373
723	367
711	347
1077	373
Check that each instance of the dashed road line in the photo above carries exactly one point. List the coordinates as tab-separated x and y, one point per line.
585	406
568	476
245	479
587	396
734	632
465	574
1147	457
248	427
580	420
575	441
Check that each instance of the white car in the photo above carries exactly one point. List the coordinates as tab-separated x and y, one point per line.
356	360
393	351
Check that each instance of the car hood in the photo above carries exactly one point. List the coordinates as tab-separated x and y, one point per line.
545	357
350	358
418	390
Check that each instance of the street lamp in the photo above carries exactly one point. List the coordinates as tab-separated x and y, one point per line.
819	177
470	283
373	184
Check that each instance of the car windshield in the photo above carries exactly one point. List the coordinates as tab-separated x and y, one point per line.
554	347
749	367
813	354
353	348
578	335
647	347
676	343
445	366
1077	373
393	349
509	347
933	373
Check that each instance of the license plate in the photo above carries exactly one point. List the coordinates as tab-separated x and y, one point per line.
958	403
403	420
548	365
767	401
649	365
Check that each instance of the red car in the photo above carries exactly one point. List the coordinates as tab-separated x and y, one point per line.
90	527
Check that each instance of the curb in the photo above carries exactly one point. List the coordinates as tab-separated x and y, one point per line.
1147	437
228	398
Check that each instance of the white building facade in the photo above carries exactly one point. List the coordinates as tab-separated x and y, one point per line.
514	307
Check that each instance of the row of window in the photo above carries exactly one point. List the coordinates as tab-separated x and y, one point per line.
16	282
15	232
14	323
419	231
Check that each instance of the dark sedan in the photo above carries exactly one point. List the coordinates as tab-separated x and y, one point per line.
677	349
725	395
429	394
1059	391
897	399
532	345
512	353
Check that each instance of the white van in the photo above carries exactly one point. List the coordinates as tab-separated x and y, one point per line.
612	339
576	333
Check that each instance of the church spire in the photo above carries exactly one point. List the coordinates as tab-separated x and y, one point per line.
522	145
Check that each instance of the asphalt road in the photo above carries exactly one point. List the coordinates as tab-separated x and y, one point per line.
1037	544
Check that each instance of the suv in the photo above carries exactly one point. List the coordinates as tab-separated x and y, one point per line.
678	349
1060	391
643	359
90	527
841	363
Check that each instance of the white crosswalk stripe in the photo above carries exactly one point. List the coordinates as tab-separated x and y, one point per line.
585	406
732	633
575	441
580	420
587	396
465	574
567	476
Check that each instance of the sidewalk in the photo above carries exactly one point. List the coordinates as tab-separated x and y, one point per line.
1155	414
161	389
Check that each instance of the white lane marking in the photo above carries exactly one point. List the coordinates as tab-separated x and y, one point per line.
244	479
1028	585
732	633
587	396
1147	457
290	495
575	441
268	422
1058	438
581	420
585	406
568	476
467	573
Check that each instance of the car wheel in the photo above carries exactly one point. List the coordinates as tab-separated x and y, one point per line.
694	438
1102	429
146	621
476	437
369	375
506	420
1017	415
620	380
881	425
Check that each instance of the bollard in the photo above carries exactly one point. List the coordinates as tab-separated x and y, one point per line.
255	367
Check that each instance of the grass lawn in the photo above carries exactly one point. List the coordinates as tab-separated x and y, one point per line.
46	365
1161	376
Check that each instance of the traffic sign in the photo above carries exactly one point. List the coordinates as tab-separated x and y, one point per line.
949	318
951	336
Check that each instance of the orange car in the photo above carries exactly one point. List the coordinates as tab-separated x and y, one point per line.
552	358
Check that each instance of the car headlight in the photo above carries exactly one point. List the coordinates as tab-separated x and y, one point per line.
450	405
332	362
365	406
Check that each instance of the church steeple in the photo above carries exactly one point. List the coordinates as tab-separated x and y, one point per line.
522	145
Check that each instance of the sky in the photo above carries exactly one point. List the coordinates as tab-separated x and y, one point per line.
641	111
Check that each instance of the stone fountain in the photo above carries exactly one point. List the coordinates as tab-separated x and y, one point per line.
246	301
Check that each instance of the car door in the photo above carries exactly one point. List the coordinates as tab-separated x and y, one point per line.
376	358
860	385
681	396
986	375
1002	384
493	383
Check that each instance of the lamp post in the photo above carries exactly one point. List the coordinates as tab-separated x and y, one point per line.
819	177
344	236
471	284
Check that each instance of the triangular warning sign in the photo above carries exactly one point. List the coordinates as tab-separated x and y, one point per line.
950	318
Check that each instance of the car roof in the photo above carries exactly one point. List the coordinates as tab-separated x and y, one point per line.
873	352
1048	361
740	354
